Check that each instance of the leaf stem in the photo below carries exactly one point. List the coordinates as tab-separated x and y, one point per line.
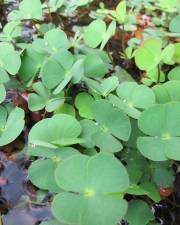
49	11
159	74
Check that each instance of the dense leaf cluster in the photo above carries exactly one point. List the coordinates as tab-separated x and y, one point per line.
103	136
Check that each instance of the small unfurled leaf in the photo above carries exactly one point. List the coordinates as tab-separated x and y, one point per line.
121	11
83	103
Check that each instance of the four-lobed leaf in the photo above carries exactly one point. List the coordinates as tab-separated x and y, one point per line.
149	54
164	136
132	98
44	99
92	187
36	172
111	126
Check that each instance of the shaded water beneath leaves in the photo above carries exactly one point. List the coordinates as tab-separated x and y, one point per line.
17	196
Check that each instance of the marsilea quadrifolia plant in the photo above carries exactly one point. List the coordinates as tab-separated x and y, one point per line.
103	136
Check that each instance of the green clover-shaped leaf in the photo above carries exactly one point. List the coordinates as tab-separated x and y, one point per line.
103	87
32	61
10	125
161	172
31	10
94	66
174	74
163	140
43	99
133	98
37	174
59	130
96	33
56	68
111	125
167	92
9	58
139	213
27	10
147	56
177	53
54	41
120	13
83	103
92	187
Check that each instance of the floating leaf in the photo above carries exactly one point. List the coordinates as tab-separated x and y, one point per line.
100	182
158	175
174	74
9	58
139	213
133	97
66	109
54	40
89	128
56	68
177	53
167	54
47	180
43	99
60	130
30	9
94	66
10	125
112	124
4	78
147	56
96	33
163	140
31	64
83	103
167	92
104	87
174	25
121	12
